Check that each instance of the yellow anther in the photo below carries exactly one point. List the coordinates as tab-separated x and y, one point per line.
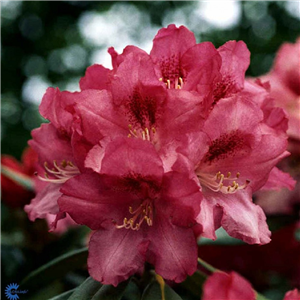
228	174
237	174
168	84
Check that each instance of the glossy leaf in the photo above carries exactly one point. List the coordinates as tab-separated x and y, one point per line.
86	290
260	297
109	292
63	296
194	283
56	268
154	292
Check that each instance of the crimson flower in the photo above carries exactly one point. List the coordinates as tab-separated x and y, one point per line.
231	158
138	212
284	79
292	295
13	194
223	286
59	165
155	147
138	106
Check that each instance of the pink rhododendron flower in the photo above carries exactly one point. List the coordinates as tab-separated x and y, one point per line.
232	160
292	295
138	106
178	59
230	286
284	79
53	146
155	147
235	61
139	213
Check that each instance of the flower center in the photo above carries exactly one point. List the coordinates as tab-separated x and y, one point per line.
144	134
59	173
177	82
143	213
221	183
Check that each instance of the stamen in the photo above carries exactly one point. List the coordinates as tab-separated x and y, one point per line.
61	173
177	82
216	183
146	134
168	84
141	214
180	82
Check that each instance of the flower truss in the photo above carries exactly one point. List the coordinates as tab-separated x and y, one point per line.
160	149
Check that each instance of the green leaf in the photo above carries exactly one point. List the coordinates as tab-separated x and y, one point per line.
260	297
56	268
109	292
63	296
154	292
86	290
23	180
194	283
132	291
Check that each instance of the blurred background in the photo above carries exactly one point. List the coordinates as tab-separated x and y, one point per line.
51	43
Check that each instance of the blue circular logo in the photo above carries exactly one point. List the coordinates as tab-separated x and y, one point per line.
10	291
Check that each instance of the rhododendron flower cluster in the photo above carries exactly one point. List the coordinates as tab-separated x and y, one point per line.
158	150
284	79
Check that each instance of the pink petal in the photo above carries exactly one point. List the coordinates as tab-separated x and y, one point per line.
209	218
171	41
278	179
99	118
292	295
182	114
54	107
117	59
96	77
235	62
135	73
172	250
88	200
116	254
132	156
230	286
241	218
181	199
45	139
44	203
203	57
